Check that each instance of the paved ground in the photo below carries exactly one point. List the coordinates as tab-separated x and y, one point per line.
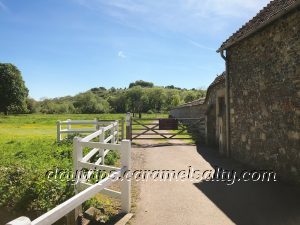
183	203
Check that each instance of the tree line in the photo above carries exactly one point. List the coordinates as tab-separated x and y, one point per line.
139	97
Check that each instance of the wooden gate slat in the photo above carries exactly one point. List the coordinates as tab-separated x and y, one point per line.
152	129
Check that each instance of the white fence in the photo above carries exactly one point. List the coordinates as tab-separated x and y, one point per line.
65	127
106	140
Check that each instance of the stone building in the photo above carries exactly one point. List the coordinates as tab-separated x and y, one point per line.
261	94
212	110
190	110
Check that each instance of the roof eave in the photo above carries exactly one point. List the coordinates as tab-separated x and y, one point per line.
277	16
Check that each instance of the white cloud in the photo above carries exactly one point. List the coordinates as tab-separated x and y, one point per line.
124	5
201	46
184	16
232	8
121	54
3	6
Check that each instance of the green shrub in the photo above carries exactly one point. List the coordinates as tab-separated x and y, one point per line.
150	111
23	181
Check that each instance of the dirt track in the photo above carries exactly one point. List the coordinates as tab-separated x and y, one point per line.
182	203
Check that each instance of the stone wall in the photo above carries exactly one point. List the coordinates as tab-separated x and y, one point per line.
192	110
264	78
195	110
203	109
211	113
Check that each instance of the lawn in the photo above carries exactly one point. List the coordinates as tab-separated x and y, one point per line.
40	125
28	149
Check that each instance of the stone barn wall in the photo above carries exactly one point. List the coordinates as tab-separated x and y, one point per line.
211	113
205	108
264	79
190	110
194	109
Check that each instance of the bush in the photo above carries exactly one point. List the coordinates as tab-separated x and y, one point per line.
150	111
90	103
23	181
111	158
51	107
32	105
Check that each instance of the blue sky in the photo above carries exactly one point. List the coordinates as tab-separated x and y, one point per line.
64	47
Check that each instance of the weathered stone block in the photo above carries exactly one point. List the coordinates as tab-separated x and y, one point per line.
244	138
248	147
293	135
282	151
263	136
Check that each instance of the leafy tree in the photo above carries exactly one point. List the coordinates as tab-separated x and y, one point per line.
201	93
112	90
140	98
32	105
118	103
65	107
56	106
141	83
156	98
172	99
135	99
47	106
172	87
190	96
13	91
90	103
17	109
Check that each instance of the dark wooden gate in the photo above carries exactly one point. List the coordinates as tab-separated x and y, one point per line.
163	128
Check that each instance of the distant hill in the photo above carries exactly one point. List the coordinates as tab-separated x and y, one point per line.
140	96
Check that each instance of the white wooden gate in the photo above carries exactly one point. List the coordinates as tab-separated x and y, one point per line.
107	140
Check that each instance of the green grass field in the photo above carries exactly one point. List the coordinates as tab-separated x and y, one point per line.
44	126
28	149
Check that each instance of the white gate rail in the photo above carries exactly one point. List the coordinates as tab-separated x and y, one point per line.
100	150
65	127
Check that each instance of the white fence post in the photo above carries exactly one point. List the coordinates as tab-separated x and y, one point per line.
101	139
113	139
69	124
97	124
77	156
20	221
58	125
128	126
126	182
117	135
122	129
